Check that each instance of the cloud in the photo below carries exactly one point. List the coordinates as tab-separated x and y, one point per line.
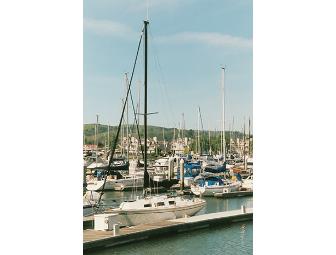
214	39
136	5
108	27
116	29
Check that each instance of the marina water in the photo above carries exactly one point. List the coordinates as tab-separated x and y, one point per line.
235	238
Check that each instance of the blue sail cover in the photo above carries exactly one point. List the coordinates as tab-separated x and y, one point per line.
191	169
212	180
215	168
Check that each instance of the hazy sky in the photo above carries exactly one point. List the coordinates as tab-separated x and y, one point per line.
189	40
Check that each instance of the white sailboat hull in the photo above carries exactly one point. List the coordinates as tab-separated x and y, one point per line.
126	184
98	185
137	217
116	184
156	208
209	191
247	184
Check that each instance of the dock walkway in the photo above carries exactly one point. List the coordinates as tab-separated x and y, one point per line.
101	239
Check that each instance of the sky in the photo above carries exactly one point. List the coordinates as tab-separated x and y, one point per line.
189	41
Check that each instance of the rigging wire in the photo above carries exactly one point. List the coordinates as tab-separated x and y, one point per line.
162	82
120	121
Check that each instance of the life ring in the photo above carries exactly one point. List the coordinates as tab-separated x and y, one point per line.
226	190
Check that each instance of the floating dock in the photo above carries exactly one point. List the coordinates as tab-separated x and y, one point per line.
234	194
93	239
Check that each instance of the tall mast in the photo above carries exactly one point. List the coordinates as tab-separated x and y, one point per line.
221	145
230	137
145	103
198	132
183	125
232	132
127	135
122	132
244	148
209	143
223	124
108	136
164	141
96	139
249	138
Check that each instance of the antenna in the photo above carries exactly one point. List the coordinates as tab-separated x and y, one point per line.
147	7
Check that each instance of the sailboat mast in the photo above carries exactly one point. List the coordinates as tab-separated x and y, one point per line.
223	141
209	143
108	136
164	140
244	148
127	135
230	128
96	139
182	126
122	131
233	137
249	138
198	132
145	97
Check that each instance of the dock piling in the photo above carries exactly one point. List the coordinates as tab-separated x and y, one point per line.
116	229
182	174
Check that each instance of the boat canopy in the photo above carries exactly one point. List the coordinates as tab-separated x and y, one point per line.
191	169
211	180
212	168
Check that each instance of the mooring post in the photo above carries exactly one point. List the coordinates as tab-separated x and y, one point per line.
116	229
182	174
243	210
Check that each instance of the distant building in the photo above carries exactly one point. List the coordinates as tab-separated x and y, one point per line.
89	147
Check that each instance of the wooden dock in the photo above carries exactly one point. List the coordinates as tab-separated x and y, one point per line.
234	194
101	239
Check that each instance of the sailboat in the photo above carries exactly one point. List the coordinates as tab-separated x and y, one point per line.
211	184
154	208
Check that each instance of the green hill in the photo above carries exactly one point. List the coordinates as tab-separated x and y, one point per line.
155	131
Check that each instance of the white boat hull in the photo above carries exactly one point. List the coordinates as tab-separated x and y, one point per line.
116	184
248	184
131	218
209	191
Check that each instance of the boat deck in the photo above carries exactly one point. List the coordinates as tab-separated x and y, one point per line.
93	239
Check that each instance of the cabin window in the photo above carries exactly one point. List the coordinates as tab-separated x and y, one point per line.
160	204
172	203
148	205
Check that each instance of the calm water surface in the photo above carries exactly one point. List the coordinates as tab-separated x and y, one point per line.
236	238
